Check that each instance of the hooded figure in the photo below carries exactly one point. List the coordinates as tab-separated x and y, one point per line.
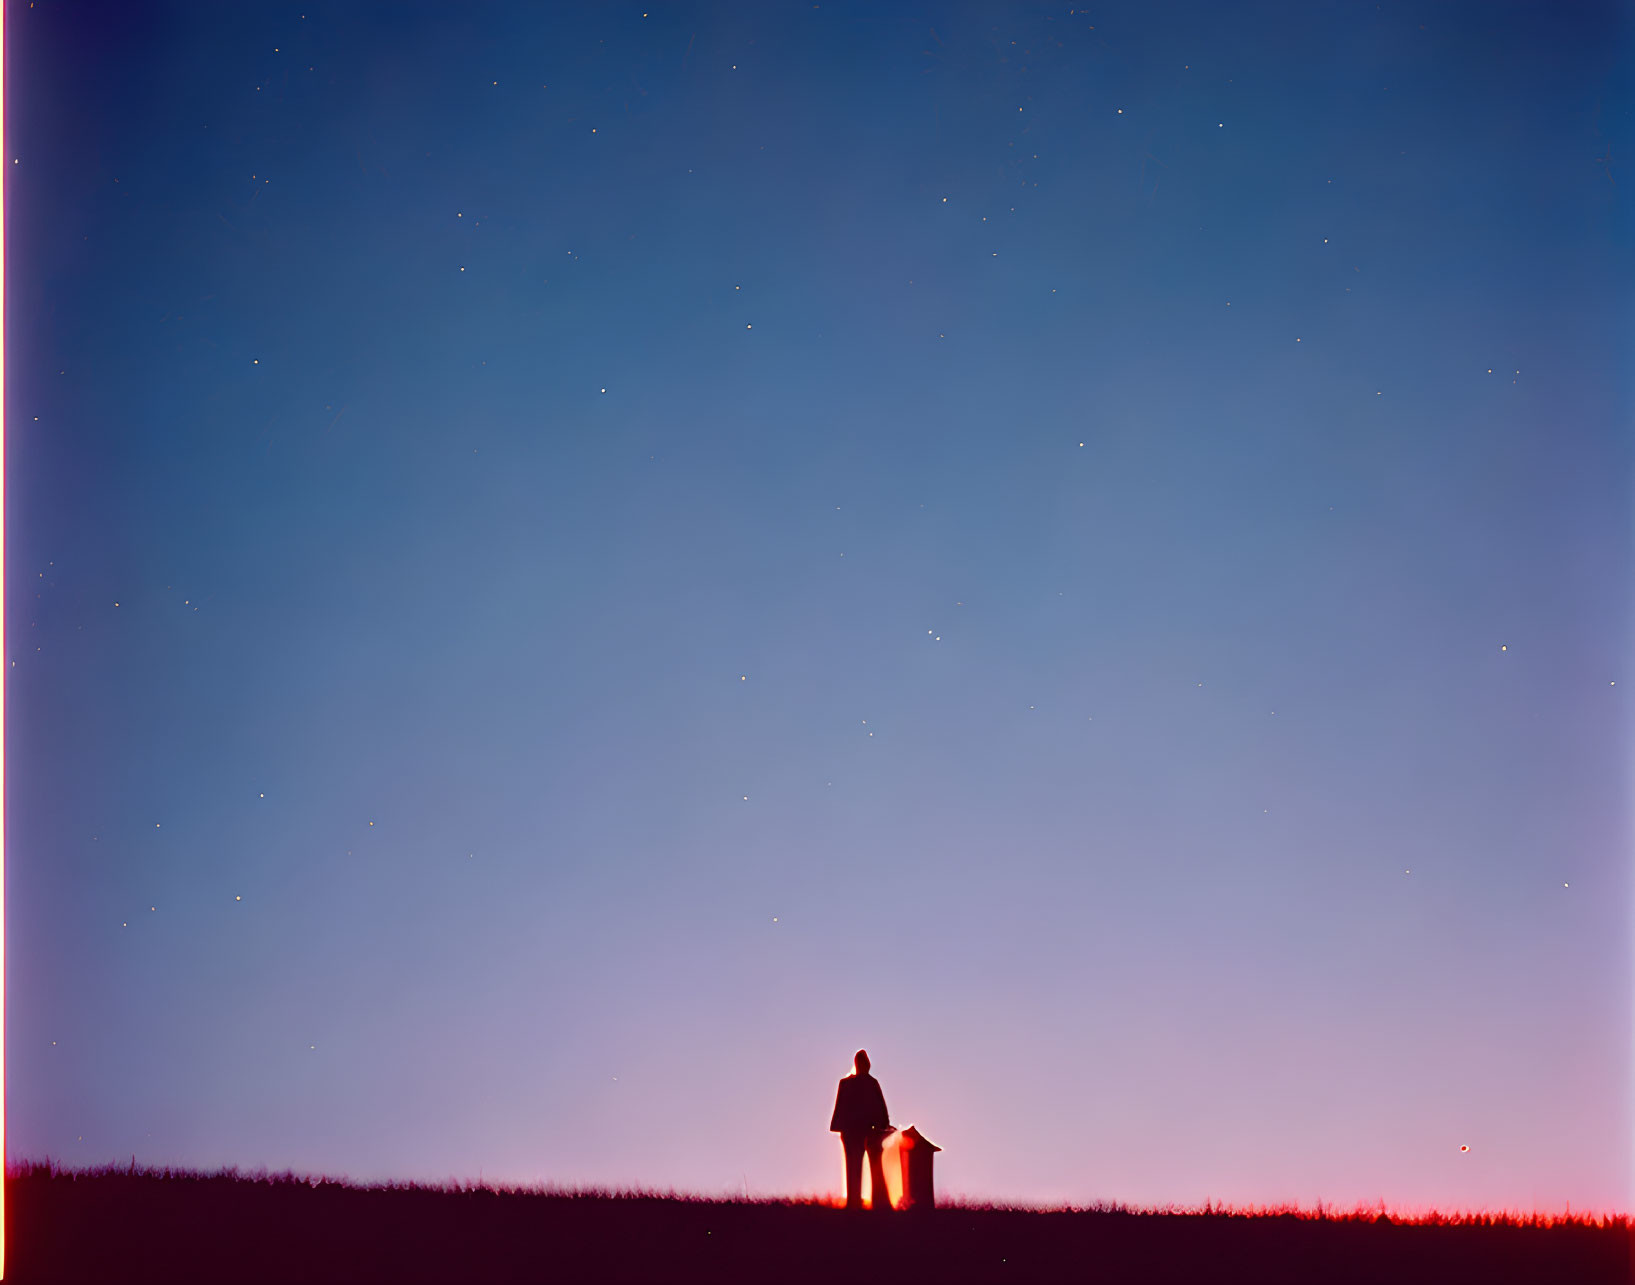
862	1122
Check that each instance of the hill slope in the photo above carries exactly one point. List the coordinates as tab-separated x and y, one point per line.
180	1227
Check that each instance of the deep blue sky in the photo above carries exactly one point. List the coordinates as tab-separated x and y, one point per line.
570	566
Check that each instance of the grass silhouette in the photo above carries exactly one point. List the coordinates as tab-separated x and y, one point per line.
174	1225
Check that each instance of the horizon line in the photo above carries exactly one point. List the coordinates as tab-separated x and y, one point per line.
24	1168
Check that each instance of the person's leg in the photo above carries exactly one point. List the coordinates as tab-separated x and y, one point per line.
852	1144
880	1196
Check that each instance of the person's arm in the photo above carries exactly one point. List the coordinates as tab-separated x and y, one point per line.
882	1115
840	1097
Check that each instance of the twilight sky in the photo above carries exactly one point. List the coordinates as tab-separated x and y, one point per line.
571	566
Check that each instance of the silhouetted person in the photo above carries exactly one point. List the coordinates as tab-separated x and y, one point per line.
862	1122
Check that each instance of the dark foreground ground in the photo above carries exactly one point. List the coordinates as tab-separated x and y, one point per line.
119	1226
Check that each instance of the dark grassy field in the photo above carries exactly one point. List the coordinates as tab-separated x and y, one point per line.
116	1225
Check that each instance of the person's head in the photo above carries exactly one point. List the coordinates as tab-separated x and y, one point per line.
861	1061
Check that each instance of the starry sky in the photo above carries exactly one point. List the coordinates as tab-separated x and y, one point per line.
570	566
